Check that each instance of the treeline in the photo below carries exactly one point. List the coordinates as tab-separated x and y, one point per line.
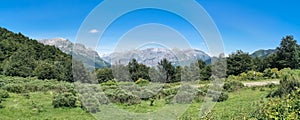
164	72
287	55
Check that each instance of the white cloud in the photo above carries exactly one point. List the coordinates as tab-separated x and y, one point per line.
93	31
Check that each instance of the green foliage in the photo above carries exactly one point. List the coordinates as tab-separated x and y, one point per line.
104	75
19	65
137	70
287	86
3	94
167	70
21	56
205	73
45	70
287	54
271	73
15	88
37	107
220	98
109	83
80	73
64	99
183	97
90	104
233	86
119	96
239	62
142	82
285	108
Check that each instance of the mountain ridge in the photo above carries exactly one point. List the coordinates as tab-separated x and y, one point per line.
89	57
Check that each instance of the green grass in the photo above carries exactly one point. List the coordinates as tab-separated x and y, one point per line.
239	106
39	106
20	107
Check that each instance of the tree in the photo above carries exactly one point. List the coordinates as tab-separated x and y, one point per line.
269	62
178	71
205	73
201	64
45	70
104	75
194	70
258	64
287	54
21	63
239	62
80	73
138	70
168	69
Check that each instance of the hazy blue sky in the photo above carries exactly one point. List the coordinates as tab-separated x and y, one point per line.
244	24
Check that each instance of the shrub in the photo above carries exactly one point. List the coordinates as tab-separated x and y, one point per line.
222	97
233	86
3	94
65	99
119	96
169	91
90	104
146	94
233	77
142	82
284	108
287	85
199	96
271	73
102	98
15	88
37	107
183	97
109	83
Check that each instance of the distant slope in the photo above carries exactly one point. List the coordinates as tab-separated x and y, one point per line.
89	57
263	53
151	56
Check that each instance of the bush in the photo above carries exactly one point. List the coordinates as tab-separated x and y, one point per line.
65	99
142	82
199	96
109	83
146	94
15	88
169	92
284	108
3	94
90	104
37	107
233	86
119	96
222	97
287	85
102	98
271	73
183	97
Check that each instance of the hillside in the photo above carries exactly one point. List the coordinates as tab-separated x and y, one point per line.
262	53
151	56
89	57
22	56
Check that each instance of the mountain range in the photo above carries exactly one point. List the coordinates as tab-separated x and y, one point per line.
89	57
149	56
